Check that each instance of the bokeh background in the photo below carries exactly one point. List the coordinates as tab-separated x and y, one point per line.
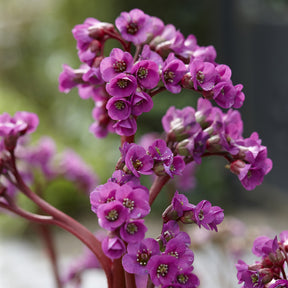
251	36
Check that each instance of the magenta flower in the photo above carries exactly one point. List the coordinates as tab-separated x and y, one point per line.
138	256
180	204
70	78
254	172
203	75
112	215
134	26
148	54
137	161
126	127
224	73
135	200
122	85
239	97
251	278
121	178
207	215
11	128
81	33
76	170
174	167
224	94
141	102
172	72
175	247
133	231
113	247
146	73
118	108
263	246
159	151
93	76
157	26
162	269
281	283
103	194
118	62
42	156
207	54
185	278
180	123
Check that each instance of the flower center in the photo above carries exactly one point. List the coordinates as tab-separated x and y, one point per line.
119	66
122	83
254	278
143	256
119	105
162	270
167	235
110	199
128	203
174	253
112	215
169	76
201	215
132	28
200	76
132	228
137	164
142	73
182	279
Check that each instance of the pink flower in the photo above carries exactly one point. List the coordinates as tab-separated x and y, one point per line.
134	26
122	85
118	62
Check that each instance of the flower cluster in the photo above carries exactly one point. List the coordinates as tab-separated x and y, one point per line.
120	204
168	262
122	85
40	159
210	131
269	271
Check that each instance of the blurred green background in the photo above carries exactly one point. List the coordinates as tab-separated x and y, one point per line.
36	39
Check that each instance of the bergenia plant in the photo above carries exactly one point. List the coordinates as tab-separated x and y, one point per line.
153	57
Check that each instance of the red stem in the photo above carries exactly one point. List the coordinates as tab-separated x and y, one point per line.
51	252
66	222
156	187
130	280
118	273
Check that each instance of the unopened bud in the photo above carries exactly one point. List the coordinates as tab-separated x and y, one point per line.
187	82
182	149
98	31
158	169
277	258
267	275
188	217
236	166
169	214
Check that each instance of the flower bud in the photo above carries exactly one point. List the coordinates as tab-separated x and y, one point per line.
170	214
98	31
277	258
159	169
236	166
182	149
187	82
188	217
267	275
